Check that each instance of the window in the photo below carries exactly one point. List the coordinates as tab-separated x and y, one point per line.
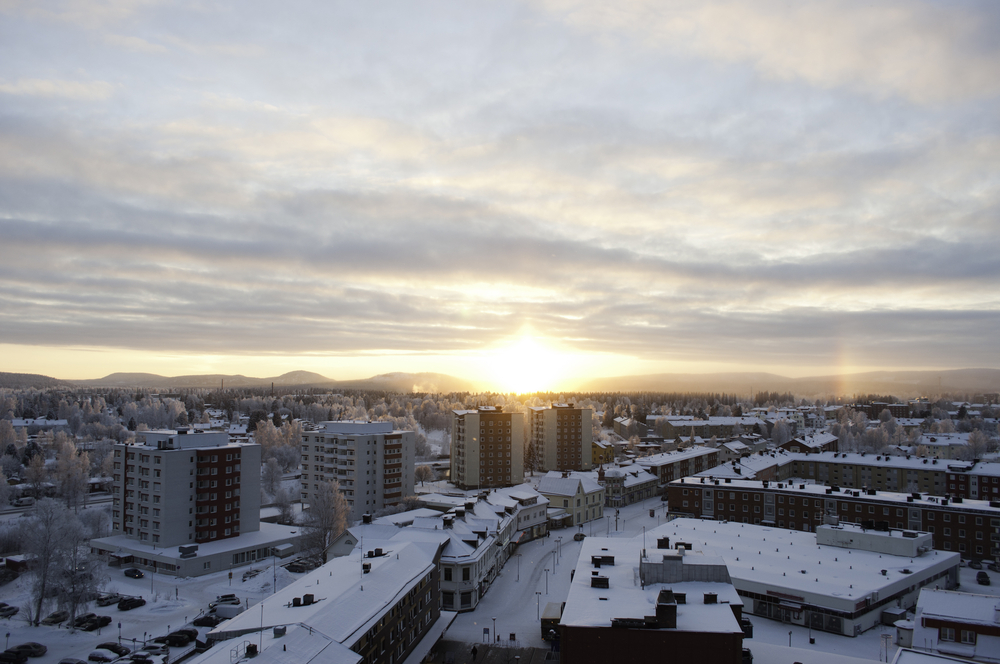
465	574
946	634
447	574
968	636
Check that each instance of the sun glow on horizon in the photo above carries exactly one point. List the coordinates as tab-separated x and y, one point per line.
526	365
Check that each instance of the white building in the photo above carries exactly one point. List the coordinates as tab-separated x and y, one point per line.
959	624
373	463
574	498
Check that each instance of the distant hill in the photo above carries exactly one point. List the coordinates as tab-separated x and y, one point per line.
22	381
901	384
392	382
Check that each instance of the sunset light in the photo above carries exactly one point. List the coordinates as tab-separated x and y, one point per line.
527	365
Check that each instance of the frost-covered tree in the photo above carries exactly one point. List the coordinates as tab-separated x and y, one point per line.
326	517
270	476
72	473
424	473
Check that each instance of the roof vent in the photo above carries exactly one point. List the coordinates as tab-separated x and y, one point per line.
599	582
711	598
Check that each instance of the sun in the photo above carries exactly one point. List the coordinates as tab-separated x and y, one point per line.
526	365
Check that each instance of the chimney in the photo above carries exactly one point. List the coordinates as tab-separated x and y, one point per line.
666	610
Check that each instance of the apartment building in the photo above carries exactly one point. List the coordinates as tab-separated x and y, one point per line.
969	527
672	465
373	463
897	472
562	436
213	484
377	605
487	448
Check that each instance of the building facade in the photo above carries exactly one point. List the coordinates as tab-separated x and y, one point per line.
562	436
969	527
373	463
181	487
487	448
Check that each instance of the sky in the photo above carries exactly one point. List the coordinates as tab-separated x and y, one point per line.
523	194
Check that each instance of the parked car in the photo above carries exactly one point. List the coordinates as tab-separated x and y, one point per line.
116	648
221	598
13	657
96	623
55	618
975	564
102	655
156	649
994	567
129	603
71	660
8	611
134	573
226	602
172	640
80	620
31	649
208	620
190	632
108	599
982	578
578	537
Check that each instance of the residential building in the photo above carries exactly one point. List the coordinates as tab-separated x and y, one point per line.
626	485
574	498
601	452
686	426
681	608
186	503
179	487
839	579
373	463
626	427
672	465
969	527
812	443
962	624
562	436
369	607
487	448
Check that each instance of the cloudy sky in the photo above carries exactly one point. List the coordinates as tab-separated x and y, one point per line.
601	188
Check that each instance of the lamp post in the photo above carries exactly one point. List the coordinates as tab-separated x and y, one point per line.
495	637
546	580
518	556
538	603
119	633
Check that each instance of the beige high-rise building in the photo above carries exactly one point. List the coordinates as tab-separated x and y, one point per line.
487	448
373	463
562	436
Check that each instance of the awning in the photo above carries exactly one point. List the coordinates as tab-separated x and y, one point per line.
430	638
790	605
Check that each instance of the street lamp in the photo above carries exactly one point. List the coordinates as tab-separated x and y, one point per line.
495	637
538	603
546	580
518	556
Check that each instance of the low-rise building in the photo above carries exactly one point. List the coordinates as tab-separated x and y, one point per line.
375	605
626	485
672	465
969	527
812	443
683	605
577	494
958	624
838	580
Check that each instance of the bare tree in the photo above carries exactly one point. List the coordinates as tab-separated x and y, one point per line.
36	474
327	516
424	473
283	501
43	536
270	476
72	473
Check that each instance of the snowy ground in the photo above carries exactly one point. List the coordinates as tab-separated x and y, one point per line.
513	595
170	603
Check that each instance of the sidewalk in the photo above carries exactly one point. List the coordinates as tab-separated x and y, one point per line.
456	652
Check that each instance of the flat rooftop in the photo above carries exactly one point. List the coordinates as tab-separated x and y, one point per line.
761	558
627	598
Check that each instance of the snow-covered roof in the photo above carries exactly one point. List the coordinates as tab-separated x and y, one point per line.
626	597
346	601
790	561
960	607
300	645
673	457
554	484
